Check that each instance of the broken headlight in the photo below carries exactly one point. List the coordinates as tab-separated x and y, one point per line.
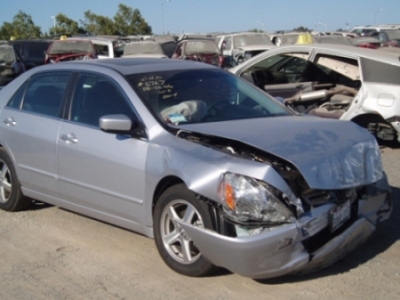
247	200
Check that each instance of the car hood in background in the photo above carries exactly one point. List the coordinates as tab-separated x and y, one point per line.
330	154
256	47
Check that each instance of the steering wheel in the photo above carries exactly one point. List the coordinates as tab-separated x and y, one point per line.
211	109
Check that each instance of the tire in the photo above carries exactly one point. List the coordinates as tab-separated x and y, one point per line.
11	197
182	202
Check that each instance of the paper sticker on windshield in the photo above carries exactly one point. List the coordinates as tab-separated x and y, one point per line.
176	118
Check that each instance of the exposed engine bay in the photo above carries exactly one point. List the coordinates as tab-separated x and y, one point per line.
328	103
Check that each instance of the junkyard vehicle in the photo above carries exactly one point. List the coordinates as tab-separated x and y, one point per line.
11	64
370	30
366	42
217	171
70	49
147	48
242	46
370	95
196	49
32	51
104	46
388	38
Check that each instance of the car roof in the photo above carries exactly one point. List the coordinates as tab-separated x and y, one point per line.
30	41
91	38
128	66
387	57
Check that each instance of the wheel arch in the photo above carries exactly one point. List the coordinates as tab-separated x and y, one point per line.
163	185
376	125
219	224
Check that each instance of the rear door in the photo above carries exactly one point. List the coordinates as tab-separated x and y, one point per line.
29	129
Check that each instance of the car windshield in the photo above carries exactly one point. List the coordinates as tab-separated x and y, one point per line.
70	46
200	96
6	55
201	47
142	48
37	49
251	39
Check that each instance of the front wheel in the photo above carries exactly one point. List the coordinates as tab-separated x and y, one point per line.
11	197
177	250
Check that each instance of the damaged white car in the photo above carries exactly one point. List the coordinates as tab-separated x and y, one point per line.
218	172
244	45
333	81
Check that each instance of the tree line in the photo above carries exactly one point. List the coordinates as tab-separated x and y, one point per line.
126	21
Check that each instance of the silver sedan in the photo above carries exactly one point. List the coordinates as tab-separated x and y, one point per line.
215	170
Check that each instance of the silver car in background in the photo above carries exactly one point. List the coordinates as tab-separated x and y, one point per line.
215	170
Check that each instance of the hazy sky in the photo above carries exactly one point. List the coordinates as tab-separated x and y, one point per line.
218	15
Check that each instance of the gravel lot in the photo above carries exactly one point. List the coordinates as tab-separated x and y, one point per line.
50	253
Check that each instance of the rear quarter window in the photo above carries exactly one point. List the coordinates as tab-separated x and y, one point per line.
376	71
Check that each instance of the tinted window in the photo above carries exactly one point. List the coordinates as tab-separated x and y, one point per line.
45	93
102	49
282	68
96	96
375	71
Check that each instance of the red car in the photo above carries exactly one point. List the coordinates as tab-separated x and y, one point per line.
203	50
70	49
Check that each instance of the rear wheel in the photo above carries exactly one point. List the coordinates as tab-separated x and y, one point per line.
11	197
177	250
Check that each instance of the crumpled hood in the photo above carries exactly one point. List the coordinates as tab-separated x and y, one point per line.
330	154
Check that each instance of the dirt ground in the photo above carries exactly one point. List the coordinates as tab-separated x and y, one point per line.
50	253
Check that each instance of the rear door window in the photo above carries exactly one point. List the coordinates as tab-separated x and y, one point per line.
45	92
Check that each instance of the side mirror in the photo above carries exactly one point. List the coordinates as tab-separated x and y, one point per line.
121	124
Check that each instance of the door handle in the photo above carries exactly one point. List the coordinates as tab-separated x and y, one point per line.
69	138
10	122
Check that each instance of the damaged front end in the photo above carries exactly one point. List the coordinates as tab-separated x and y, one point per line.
208	58
266	231
68	57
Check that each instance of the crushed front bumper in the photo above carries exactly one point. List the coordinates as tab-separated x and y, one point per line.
281	250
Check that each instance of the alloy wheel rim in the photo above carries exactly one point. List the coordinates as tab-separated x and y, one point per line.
175	240
5	182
